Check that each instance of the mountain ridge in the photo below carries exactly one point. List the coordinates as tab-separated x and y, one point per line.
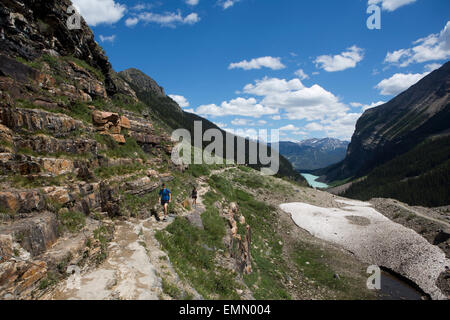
389	130
313	154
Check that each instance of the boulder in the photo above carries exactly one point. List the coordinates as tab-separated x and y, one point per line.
141	186
118	138
35	234
109	123
22	201
196	220
125	122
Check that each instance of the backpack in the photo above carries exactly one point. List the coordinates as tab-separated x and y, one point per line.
165	194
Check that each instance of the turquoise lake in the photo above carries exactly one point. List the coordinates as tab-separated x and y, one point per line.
312	181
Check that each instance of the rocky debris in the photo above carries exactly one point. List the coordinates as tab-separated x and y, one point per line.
109	123
6	135
38	120
34	249
84	173
18	164
24	201
34	234
141	186
195	219
239	245
45	144
110	201
166	177
6	247
81	197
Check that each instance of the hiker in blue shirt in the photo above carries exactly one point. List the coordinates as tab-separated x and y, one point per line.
165	197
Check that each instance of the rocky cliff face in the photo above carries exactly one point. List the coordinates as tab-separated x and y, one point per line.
384	132
29	30
72	137
142	81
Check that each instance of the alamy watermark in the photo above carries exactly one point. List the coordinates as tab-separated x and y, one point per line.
374	281
74	20
74	280
227	148
374	20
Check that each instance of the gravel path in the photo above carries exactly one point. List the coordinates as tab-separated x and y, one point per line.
374	239
134	266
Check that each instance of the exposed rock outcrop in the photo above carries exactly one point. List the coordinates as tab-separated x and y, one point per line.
239	243
142	81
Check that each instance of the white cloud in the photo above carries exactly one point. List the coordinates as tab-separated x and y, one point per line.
96	12
399	82
299	102
345	60
356	104
108	38
262	122
168	19
391	5
432	66
258	63
431	48
239	106
247	122
192	18
143	6
342	127
221	125
192	2
182	101
267	86
227	3
365	107
240	122
314	126
131	22
301	74
289	127
290	99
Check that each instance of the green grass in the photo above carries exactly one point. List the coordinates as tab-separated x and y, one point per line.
72	221
171	290
269	267
134	204
105	172
130	149
198	170
50	280
81	63
104	235
76	110
312	263
19	181
194	262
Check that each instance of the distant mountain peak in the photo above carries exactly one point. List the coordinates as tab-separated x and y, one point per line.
314	153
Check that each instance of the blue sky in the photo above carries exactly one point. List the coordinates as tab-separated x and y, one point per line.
308	67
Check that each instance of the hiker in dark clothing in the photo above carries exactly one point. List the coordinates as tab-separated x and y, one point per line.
165	197
194	197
